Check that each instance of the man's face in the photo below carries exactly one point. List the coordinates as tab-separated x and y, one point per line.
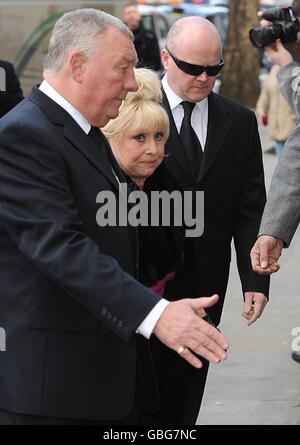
108	76
131	17
188	87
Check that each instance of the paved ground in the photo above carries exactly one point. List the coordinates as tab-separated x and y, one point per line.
259	383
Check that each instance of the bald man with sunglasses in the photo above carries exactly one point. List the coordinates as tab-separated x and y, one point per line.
213	146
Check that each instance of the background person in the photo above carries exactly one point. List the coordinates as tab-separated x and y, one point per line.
281	216
138	137
145	41
274	111
13	93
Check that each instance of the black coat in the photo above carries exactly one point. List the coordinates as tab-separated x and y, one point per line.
147	48
161	247
232	179
69	304
13	93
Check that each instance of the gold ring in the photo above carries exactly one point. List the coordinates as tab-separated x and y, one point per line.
181	350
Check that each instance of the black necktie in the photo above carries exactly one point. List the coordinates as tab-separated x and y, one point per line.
190	140
96	135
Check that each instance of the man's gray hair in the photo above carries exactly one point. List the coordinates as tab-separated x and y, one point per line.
79	29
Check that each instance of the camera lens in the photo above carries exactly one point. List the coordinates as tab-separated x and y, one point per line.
264	36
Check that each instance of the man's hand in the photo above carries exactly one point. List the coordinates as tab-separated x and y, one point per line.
277	54
255	303
265	254
263	117
183	330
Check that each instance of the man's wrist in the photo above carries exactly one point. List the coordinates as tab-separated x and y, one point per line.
275	238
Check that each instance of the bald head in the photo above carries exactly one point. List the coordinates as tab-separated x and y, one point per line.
196	41
192	32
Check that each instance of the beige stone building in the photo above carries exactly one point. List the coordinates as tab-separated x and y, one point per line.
25	27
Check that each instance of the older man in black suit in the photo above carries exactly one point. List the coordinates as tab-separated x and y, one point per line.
10	90
214	146
76	320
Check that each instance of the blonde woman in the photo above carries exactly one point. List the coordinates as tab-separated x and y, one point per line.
137	137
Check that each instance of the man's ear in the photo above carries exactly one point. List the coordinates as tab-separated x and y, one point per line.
165	57
77	64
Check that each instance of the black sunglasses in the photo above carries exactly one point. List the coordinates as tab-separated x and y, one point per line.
196	70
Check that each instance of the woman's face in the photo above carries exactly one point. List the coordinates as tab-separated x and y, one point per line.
139	153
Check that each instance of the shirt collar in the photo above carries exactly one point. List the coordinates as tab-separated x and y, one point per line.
47	89
174	100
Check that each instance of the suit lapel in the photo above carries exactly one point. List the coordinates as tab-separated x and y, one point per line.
219	124
98	156
75	135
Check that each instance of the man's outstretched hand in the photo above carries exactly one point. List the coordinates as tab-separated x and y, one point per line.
182	329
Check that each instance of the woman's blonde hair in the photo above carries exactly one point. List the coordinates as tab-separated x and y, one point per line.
141	111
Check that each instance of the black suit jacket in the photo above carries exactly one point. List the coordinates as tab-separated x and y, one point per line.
69	304
232	179
13	93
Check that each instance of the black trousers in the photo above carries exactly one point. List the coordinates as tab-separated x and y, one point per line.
181	386
143	412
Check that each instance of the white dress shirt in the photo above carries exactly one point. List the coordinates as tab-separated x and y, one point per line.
199	118
147	326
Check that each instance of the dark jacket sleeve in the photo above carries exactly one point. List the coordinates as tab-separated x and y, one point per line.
252	202
38	211
13	93
289	83
155	60
161	247
147	48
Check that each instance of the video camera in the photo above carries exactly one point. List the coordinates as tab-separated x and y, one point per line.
285	26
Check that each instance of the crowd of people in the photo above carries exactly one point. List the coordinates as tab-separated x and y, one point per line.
117	323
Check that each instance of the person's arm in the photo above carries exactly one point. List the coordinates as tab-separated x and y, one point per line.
289	75
252	201
156	55
13	93
263	103
152	56
282	212
289	84
281	216
39	214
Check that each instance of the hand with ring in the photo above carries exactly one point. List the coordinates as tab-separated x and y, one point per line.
182	328
181	350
